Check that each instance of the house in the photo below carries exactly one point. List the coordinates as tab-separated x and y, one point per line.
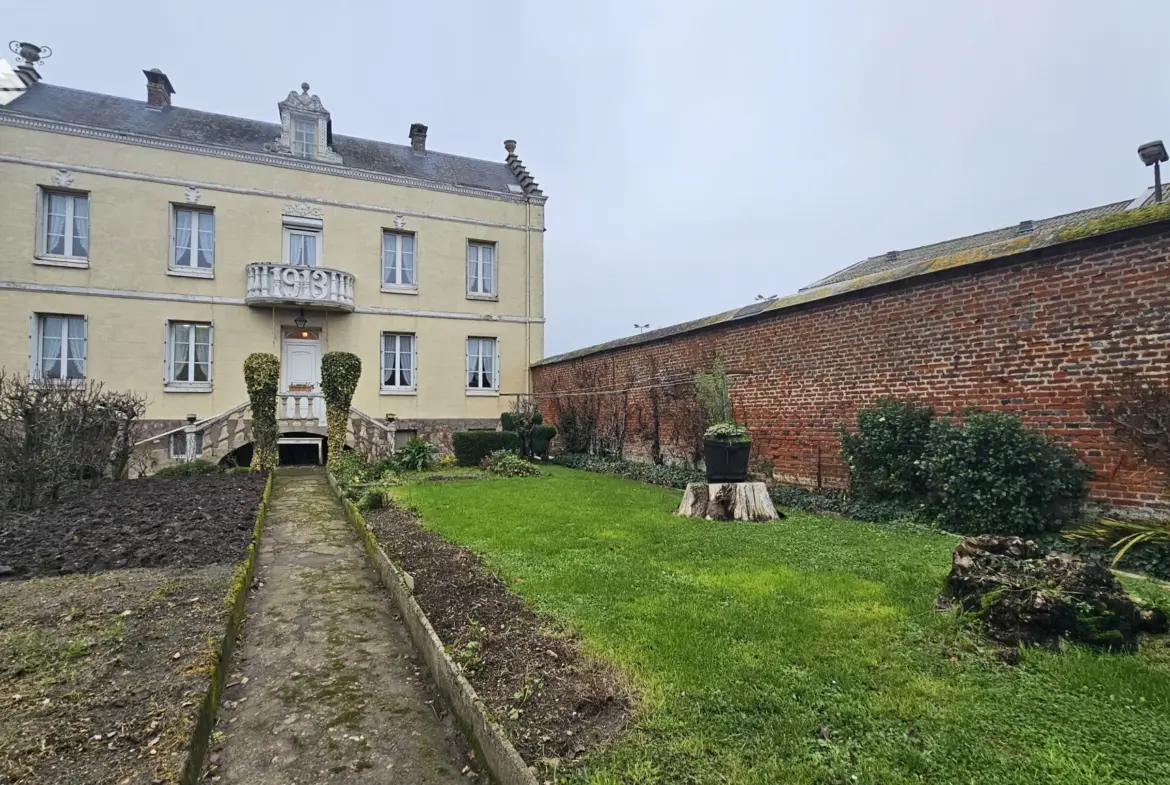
153	247
1044	318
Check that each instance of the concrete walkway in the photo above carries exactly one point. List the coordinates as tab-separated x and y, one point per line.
327	686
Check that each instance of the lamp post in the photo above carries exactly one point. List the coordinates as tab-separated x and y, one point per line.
1154	154
641	327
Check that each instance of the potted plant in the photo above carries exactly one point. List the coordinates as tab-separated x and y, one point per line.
726	450
726	444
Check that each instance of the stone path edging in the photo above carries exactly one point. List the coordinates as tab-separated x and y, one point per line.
192	772
497	754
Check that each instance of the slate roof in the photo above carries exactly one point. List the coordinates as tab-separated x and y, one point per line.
915	262
124	115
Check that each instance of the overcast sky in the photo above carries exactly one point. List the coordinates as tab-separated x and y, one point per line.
695	154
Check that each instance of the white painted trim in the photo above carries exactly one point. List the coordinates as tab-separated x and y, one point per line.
191	271
78	263
93	291
394	289
183	272
8	118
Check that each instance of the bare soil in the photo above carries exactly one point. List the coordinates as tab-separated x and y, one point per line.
151	522
553	701
101	676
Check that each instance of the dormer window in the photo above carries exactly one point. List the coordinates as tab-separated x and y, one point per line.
305	138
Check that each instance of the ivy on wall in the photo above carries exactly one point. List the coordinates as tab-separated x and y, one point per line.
262	375
340	372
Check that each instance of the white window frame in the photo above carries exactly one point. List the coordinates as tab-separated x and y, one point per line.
181	437
398	389
192	271
66	259
475	287
170	383
297	147
397	285
306	227
36	340
494	389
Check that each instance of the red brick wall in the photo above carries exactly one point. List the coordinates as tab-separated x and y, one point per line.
1042	336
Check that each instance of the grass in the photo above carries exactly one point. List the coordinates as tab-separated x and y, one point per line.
799	651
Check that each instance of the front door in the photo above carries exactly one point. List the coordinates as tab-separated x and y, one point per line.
300	373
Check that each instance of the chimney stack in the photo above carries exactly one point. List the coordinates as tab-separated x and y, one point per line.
418	137
158	89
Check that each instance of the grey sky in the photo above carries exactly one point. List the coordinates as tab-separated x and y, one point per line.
695	153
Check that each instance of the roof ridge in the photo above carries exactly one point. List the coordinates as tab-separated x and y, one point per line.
530	186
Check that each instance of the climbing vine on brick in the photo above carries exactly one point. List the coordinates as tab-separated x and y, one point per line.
340	372
262	375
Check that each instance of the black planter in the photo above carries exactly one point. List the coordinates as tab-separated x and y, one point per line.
726	461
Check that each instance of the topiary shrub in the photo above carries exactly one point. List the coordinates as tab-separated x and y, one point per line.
340	372
504	463
542	436
471	447
194	468
991	474
522	420
885	455
262	375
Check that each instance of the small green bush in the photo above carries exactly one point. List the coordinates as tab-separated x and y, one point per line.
352	467
193	468
840	502
504	463
991	474
885	455
374	498
447	462
471	447
542	436
418	455
650	473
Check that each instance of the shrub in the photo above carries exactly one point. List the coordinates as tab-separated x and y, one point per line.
194	468
523	418
471	447
374	498
350	468
576	431
504	463
417	456
653	474
262	376
340	372
993	475
542	436
714	392
839	502
885	455
728	432
447	462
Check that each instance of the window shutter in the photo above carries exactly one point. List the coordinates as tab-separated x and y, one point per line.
499	368
33	350
414	360
84	347
211	352
166	351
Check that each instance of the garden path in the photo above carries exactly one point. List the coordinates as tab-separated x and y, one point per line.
327	687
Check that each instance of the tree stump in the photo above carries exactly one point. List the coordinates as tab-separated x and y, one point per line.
730	501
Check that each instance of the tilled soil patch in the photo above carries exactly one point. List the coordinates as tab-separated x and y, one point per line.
151	522
101	676
553	701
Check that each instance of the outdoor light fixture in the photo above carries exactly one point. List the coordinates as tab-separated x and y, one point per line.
29	53
300	322
191	418
1154	154
641	327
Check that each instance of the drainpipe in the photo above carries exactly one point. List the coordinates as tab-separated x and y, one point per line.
528	295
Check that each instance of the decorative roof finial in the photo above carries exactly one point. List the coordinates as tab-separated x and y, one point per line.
510	145
29	53
305	88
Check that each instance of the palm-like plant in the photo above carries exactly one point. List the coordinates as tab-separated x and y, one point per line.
1122	535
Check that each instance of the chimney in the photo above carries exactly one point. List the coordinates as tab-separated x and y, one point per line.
1026	227
891	256
418	137
158	89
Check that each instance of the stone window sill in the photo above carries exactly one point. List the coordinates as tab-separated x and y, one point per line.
392	289
183	272
495	298
483	393
187	387
397	391
61	261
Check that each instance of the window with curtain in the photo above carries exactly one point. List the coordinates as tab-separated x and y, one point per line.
61	347
398	361
66	225
481	272
397	259
301	247
305	138
190	350
194	240
481	364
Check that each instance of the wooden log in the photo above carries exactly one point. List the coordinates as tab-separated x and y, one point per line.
729	501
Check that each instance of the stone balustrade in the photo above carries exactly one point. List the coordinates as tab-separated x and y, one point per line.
285	284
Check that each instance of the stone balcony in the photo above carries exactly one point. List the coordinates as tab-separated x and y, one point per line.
308	287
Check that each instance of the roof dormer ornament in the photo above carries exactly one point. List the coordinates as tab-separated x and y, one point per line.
305	128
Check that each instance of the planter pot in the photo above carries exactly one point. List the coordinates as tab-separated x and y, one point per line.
726	461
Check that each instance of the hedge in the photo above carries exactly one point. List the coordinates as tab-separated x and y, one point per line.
471	447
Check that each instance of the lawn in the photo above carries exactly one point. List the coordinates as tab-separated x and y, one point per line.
799	651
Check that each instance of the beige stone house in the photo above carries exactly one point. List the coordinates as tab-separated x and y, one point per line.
153	247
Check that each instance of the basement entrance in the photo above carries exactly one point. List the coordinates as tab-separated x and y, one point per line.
300	450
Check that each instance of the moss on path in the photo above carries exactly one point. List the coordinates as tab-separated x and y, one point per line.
326	685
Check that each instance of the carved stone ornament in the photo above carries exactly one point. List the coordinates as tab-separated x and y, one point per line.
193	194
399	222
63	178
308	108
303	209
